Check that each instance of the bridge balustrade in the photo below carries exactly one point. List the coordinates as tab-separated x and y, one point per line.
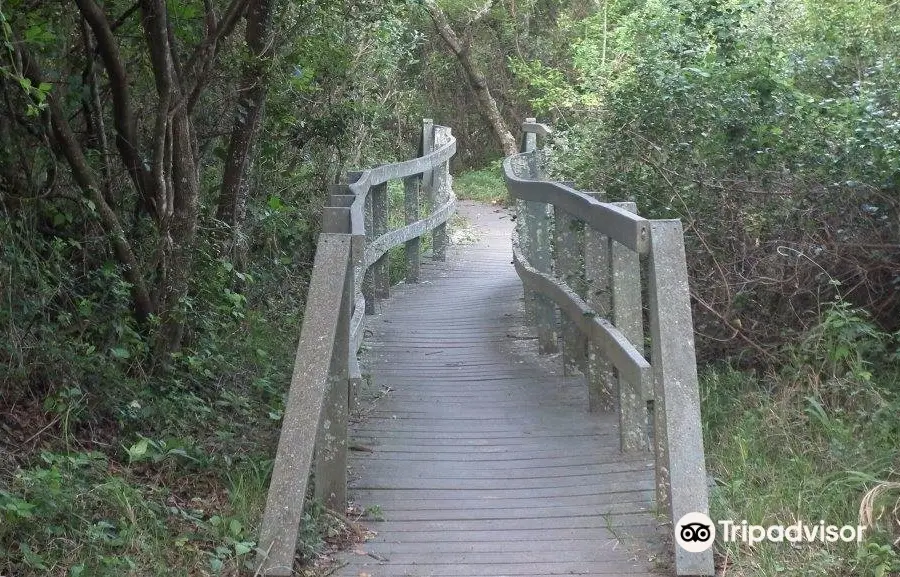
579	259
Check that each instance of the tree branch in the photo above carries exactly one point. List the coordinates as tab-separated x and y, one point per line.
87	181
124	118
157	32
198	64
477	81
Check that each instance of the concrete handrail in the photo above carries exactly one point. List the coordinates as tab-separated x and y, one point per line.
622	226
319	368
382	174
351	270
579	258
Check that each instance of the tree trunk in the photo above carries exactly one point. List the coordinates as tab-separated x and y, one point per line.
176	177
486	103
161	158
248	116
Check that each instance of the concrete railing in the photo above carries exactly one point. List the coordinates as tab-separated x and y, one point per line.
351	271
579	259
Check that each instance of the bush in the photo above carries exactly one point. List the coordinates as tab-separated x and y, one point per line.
769	132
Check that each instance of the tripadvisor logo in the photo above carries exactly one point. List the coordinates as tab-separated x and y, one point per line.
695	532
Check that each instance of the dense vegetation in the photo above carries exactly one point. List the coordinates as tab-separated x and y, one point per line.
163	165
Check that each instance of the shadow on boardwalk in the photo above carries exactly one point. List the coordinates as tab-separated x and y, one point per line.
484	460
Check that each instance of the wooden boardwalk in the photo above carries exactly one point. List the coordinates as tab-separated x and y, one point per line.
480	456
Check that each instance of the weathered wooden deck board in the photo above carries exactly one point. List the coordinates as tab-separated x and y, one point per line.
484	460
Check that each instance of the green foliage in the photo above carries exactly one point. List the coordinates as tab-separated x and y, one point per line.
770	129
484	185
878	560
808	445
374	512
185	437
36	96
319	528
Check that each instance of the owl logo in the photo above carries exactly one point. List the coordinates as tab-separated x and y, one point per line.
695	532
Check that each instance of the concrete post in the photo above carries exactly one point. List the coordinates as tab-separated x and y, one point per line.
331	441
539	253
569	248
440	194
602	385
382	267
628	317
368	283
411	212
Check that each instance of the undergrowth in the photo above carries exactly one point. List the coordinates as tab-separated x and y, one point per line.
817	440
108	469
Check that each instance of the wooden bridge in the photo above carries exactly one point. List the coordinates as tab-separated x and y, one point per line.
481	456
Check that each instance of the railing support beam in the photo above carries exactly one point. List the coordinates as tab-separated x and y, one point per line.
382	268
602	388
368	283
569	248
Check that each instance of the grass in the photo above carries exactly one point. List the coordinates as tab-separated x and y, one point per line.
808	445
484	185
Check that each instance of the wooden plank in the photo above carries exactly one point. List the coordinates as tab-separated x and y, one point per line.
545	494
617	479
501	569
589	537
551	546
528	523
452	505
595	557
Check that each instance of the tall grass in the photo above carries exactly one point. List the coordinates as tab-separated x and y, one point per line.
818	441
